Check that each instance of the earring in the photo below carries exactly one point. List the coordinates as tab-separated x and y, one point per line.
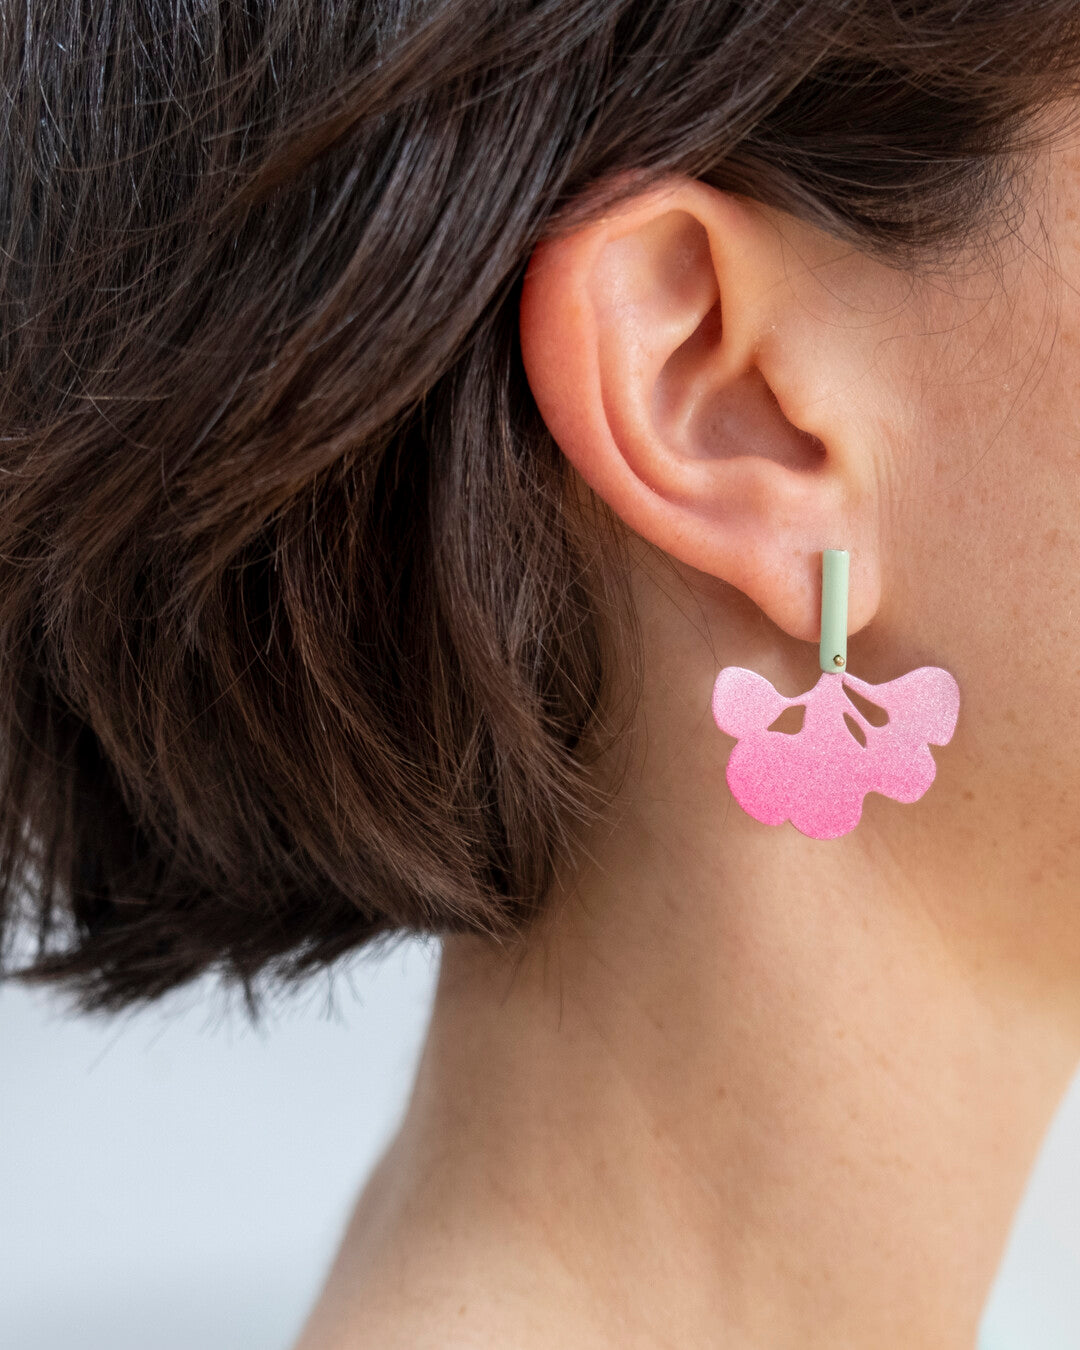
855	737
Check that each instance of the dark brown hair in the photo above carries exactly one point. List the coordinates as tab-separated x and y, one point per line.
298	644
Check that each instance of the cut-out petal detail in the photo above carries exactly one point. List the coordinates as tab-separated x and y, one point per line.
873	713
818	777
791	720
855	729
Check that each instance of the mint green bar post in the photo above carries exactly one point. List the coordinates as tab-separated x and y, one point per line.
834	609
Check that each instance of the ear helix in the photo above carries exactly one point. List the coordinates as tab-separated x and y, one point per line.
818	777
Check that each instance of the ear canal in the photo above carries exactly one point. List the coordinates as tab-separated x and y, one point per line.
736	418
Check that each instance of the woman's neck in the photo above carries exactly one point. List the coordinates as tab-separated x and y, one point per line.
737	1096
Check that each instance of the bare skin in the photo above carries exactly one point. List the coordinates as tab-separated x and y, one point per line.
745	1089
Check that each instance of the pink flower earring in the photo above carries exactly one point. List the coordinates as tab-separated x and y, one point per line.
817	777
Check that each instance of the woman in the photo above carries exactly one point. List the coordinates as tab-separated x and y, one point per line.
409	410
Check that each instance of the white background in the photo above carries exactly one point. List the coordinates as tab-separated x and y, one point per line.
175	1180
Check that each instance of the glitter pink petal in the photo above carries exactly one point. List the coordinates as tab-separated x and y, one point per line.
818	777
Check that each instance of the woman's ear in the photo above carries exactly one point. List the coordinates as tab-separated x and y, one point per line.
679	371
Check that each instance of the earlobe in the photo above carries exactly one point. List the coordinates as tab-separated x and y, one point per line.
642	333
